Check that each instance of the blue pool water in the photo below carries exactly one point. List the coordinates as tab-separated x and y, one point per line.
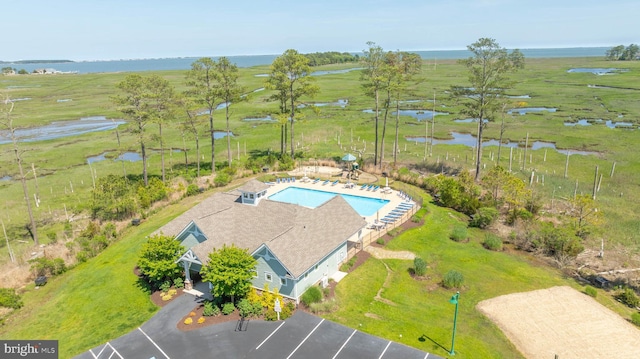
312	198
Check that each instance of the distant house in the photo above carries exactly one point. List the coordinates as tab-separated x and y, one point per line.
295	247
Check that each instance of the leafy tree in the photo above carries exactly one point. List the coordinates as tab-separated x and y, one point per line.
631	52
6	123
585	214
23	72
558	242
190	125
488	70
229	270
484	217
8	70
290	77
134	105
615	53
10	299
162	102
158	257
373	81
202	82
229	91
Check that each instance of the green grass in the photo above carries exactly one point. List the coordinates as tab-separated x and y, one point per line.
94	302
423	316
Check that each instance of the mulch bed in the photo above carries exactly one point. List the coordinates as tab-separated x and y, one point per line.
220	318
156	297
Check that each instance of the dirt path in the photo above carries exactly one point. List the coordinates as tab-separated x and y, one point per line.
382	253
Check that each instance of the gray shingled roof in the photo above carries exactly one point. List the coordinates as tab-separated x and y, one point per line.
297	235
254	186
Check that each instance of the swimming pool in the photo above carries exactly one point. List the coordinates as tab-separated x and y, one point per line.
312	198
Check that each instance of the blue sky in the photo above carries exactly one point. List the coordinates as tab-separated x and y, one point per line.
124	29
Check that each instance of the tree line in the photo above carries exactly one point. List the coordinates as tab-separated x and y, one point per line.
622	53
331	57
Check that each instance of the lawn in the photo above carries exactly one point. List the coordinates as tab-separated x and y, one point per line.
418	312
96	301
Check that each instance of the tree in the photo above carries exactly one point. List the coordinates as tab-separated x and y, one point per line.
290	77
488	70
135	107
162	101
631	52
229	271
615	53
229	91
158	259
585	214
406	66
373	82
202	81
7	124
190	125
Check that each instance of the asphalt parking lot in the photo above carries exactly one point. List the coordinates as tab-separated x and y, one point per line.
301	336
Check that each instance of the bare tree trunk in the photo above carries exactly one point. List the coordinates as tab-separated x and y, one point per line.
213	142
293	111
375	152
228	135
384	126
161	152
479	147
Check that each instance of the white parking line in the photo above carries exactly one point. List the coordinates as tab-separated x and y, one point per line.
272	333
103	348
426	356
154	343
344	344
305	339
385	349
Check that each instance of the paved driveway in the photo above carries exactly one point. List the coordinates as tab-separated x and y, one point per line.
301	336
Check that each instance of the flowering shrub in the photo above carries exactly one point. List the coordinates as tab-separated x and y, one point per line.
200	320
192	314
188	321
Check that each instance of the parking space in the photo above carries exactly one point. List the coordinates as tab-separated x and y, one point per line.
301	336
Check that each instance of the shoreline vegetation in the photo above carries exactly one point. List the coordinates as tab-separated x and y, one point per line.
63	184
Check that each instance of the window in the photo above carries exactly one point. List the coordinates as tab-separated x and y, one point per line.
315	268
246	195
306	275
251	195
283	281
268	277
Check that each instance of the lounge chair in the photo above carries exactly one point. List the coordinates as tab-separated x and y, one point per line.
364	186
370	187
376	188
335	182
325	182
394	215
293	179
316	180
387	220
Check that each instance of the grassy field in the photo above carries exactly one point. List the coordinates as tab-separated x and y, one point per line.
64	185
418	312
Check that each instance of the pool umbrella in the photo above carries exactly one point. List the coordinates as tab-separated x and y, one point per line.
349	157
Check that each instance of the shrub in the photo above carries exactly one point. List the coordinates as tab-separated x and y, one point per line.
192	190
165	286
270	315
200	320
228	308
492	242
287	310
419	266
348	264
628	297
458	234
192	314
380	241
635	319
188	321
178	282
222	179
312	295
210	309
452	279
46	266
591	291
245	308
484	217
324	307
10	299
166	297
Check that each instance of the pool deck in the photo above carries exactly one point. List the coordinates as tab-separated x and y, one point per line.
391	195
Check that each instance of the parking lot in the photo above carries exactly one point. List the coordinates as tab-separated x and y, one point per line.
301	336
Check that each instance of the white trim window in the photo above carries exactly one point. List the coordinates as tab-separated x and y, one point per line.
268	276
315	268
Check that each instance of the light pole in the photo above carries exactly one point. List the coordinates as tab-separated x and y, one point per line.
454	300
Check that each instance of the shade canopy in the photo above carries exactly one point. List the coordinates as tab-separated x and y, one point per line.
349	157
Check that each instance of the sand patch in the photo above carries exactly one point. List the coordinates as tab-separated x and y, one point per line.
562	321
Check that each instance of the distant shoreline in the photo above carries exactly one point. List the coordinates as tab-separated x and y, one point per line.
184	63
